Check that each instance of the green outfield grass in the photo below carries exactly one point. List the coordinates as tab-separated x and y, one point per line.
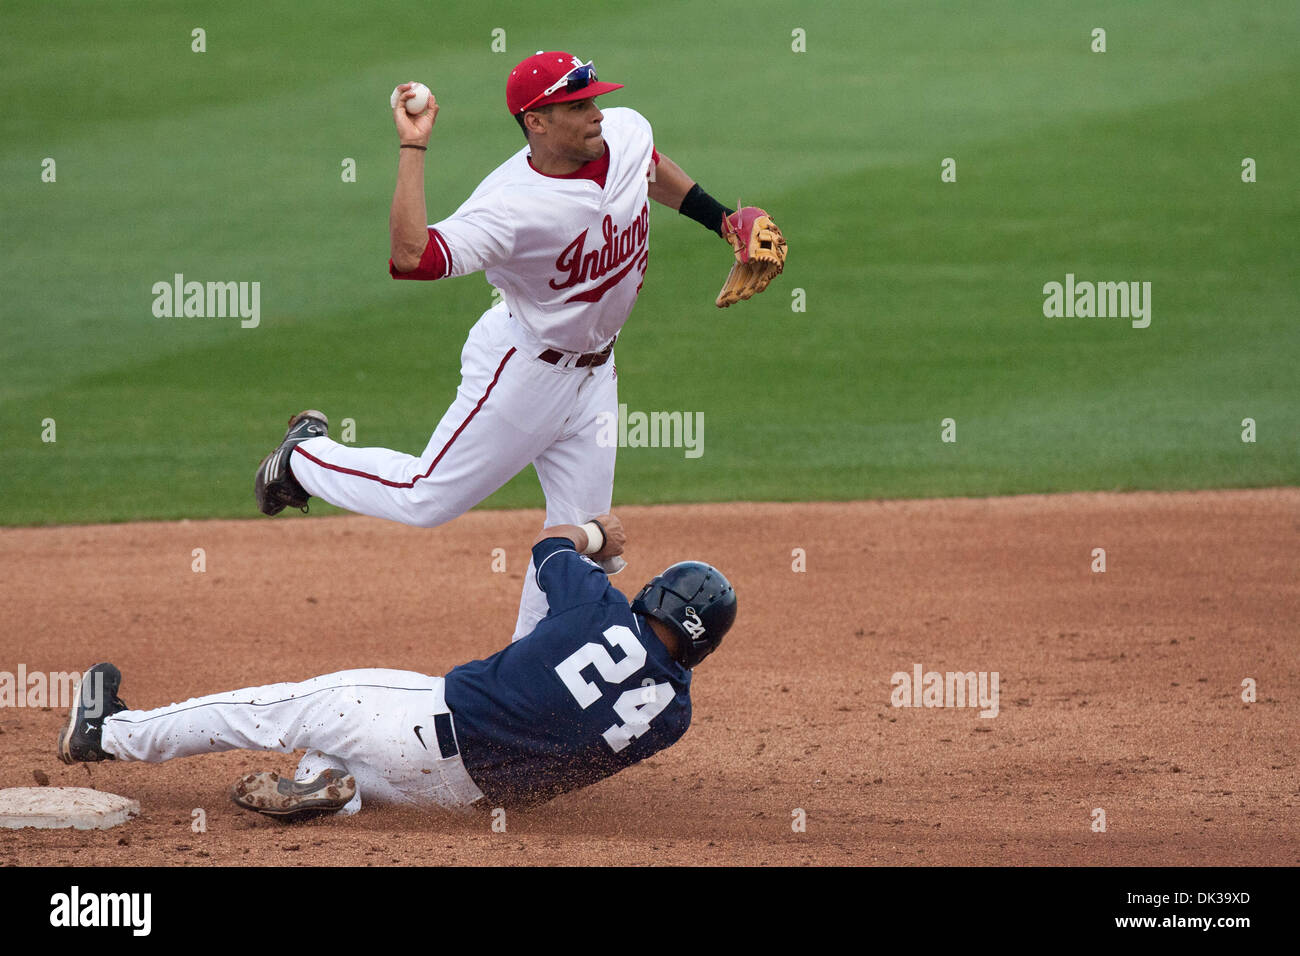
923	299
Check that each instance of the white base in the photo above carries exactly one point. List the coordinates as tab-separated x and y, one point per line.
48	808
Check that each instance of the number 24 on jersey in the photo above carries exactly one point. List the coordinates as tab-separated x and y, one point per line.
636	707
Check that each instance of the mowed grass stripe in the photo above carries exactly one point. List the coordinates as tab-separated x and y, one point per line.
923	299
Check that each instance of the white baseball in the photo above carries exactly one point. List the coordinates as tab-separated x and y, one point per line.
417	104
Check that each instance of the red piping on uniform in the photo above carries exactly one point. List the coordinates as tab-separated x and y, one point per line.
411	484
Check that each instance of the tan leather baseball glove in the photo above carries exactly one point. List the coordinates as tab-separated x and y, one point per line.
760	254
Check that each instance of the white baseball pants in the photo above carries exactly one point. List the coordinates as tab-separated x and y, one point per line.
511	409
363	722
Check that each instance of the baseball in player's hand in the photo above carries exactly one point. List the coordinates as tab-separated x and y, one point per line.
615	537
414	130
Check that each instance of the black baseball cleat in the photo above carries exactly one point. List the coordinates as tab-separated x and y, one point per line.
275	486
269	793
94	699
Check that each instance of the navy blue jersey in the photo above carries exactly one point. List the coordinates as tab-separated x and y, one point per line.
590	691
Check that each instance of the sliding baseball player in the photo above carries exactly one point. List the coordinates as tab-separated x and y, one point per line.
597	686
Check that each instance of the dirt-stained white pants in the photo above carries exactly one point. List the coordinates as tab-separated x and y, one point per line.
511	409
390	729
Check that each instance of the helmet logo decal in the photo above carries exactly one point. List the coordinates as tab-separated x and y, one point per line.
694	626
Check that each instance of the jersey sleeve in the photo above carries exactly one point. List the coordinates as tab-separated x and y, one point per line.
567	578
435	262
478	235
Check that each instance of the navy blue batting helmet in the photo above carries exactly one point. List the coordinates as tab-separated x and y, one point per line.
696	601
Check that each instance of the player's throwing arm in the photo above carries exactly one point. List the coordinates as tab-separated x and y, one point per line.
408	220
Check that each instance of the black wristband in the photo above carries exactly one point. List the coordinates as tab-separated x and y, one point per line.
413	146
704	209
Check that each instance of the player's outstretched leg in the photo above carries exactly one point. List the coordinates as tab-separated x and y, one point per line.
510	406
274	486
365	725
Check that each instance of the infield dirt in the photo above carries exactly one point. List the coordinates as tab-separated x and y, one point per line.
1119	691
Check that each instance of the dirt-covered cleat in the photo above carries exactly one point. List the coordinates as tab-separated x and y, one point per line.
280	797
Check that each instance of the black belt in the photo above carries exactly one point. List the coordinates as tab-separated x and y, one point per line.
554	356
446	736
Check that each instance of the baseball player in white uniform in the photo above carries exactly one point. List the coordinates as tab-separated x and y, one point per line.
562	229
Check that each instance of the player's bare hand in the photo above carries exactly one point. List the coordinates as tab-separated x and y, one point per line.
413	130
615	537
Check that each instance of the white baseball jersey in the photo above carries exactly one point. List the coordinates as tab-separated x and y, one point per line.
568	253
